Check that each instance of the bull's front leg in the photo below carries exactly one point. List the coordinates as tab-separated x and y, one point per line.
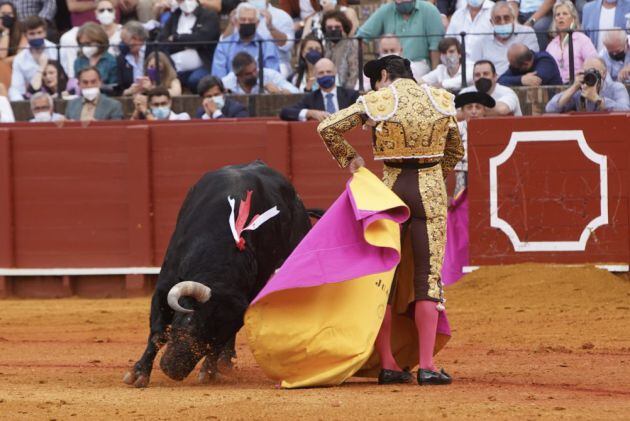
161	317
218	362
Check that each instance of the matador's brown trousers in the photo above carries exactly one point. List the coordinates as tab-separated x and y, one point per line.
423	191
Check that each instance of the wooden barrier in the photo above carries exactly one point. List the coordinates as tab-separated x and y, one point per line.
90	210
550	189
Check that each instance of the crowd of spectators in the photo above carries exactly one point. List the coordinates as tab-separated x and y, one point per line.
90	52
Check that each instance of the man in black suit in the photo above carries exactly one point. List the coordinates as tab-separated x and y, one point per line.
215	104
195	24
324	101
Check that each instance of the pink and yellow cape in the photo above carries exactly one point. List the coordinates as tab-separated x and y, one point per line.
316	320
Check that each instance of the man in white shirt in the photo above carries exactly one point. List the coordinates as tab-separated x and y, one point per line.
276	24
27	61
475	18
485	77
42	109
448	74
243	79
160	106
506	32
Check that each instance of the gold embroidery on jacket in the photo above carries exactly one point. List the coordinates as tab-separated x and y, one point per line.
331	131
433	194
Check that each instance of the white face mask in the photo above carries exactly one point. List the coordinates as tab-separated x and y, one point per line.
90	93
89	50
43	116
106	17
188	6
219	101
258	4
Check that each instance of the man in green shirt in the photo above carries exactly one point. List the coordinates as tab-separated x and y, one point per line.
404	18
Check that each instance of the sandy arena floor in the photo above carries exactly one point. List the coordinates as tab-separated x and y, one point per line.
529	342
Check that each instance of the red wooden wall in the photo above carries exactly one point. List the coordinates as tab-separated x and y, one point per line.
549	190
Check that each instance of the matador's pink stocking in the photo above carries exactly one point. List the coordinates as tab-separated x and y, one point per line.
384	343
426	318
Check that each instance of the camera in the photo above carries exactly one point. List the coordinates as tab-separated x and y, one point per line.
592	77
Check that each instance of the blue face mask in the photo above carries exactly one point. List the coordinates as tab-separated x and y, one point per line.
504	31
475	3
161	113
36	42
406	7
123	48
313	56
326	82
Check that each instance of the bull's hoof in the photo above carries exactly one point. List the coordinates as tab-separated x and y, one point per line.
206	377
136	379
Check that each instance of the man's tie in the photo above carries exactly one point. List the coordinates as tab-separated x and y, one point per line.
330	105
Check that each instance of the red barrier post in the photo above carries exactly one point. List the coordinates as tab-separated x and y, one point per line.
140	223
6	209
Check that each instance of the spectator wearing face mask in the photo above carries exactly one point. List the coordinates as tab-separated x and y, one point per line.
328	99
507	31
215	104
243	79
42	109
475	17
92	105
528	68
405	17
310	52
485	77
165	77
130	61
191	23
603	14
615	55
106	15
448	74
28	61
244	39
11	39
93	43
592	91
160	106
341	50
276	24
565	18
313	25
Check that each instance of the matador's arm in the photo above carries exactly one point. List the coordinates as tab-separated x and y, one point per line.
453	148
332	129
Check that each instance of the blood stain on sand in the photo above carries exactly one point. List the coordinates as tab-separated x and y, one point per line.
530	341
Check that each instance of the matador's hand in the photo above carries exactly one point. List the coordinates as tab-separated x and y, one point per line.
356	163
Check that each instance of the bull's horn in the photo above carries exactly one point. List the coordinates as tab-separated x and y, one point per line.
198	291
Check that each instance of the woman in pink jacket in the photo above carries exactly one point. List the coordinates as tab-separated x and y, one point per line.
565	18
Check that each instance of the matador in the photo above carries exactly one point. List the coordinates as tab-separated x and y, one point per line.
416	136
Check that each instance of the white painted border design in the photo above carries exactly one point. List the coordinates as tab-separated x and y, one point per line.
609	268
549	136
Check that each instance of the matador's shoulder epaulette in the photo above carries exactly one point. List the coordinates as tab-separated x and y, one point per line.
442	100
380	105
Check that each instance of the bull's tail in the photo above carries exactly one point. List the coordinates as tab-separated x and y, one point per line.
316	213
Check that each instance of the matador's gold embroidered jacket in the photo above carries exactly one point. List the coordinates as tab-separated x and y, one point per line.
414	122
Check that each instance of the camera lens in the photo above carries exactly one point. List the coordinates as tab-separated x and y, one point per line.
591	77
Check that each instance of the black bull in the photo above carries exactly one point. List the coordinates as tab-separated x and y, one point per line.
203	250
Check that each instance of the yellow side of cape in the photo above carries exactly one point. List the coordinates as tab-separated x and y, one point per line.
323	335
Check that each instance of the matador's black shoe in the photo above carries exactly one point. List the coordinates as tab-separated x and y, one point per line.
394	377
433	377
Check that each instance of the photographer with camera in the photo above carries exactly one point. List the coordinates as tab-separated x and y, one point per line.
592	90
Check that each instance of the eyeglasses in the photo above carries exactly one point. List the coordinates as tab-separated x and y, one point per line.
41	108
105	10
